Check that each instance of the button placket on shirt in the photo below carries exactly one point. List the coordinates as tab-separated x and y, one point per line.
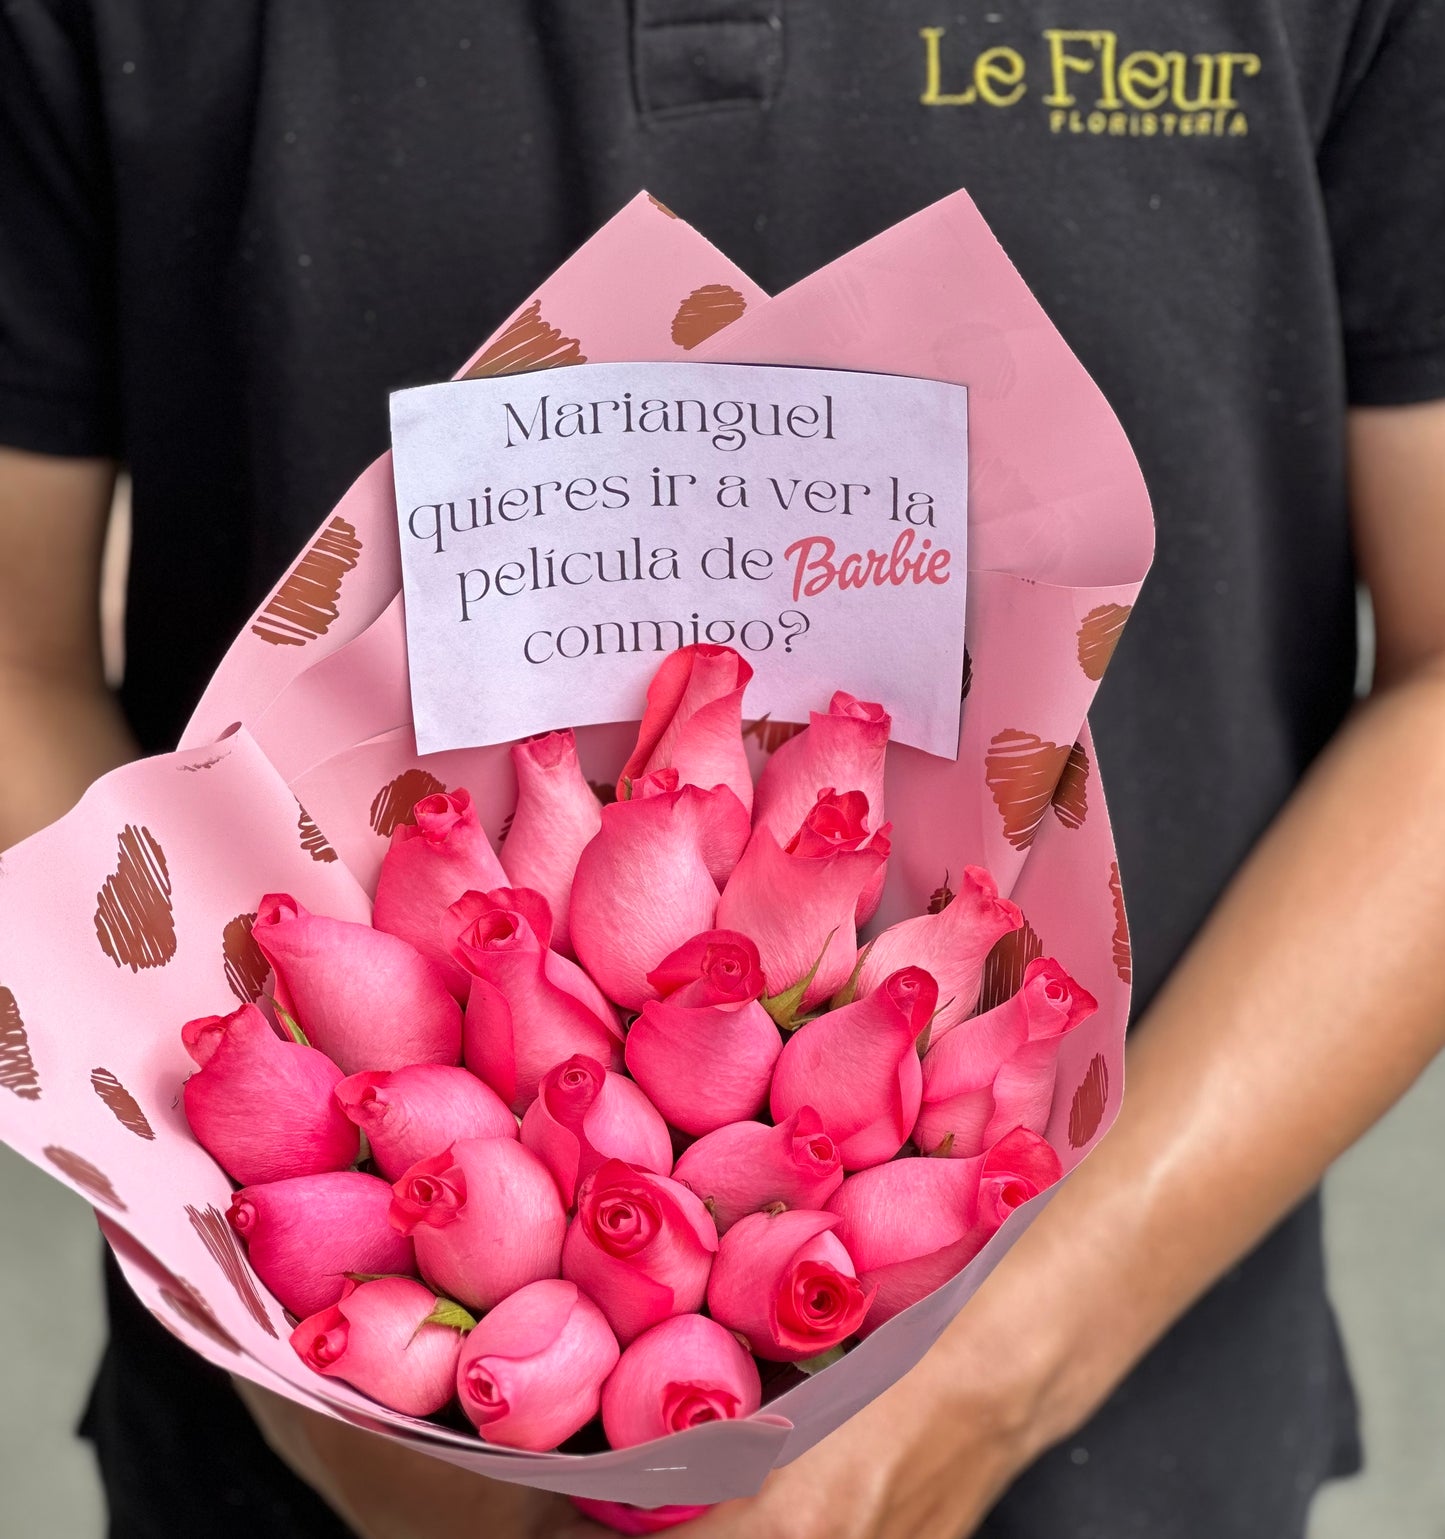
691	56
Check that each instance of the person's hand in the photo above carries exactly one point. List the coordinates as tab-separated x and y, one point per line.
385	1491
926	1460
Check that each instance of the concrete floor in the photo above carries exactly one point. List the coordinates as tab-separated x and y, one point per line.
1386	1216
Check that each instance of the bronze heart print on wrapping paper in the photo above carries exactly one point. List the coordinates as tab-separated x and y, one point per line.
89	1178
210	1223
1022	771
1070	800
1099	634
17	1067
245	968
1004	967
188	1304
1123	954
526	344
134	922
1086	1111
305	605
395	803
705	312
313	841
1028	775
123	1105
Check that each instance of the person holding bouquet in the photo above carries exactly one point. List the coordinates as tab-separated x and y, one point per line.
232	230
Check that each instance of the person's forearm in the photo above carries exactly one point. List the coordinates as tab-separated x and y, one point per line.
1307	1005
57	734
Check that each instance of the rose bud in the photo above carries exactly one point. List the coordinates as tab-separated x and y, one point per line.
411	1113
718	967
583	1115
649	881
786	1284
367	999
749	1166
486	1218
996	1071
528	1008
680	1374
798	901
427	867
912	1224
705	1052
694	723
384	1338
531	1373
952	944
260	1106
1018	1167
305	1234
557	816
624	1518
858	1066
641	1246
704	1066
845	747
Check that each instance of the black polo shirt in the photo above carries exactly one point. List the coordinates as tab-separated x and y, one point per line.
229	227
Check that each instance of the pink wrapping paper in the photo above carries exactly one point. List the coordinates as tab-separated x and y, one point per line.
132	913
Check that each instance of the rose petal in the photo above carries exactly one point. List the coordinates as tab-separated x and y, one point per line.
557	816
693	722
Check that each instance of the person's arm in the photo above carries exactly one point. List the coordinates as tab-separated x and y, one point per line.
1306	1006
59	724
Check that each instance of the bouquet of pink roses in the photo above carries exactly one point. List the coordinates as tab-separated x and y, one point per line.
712	1106
790	1076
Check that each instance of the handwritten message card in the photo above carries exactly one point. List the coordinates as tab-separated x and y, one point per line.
561	531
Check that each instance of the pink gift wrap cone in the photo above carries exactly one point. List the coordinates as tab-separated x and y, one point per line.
133	913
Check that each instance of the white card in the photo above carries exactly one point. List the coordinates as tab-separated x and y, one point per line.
563	530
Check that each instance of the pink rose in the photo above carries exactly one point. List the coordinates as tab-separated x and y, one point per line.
694	723
704	1067
584	1115
705	1054
649	881
680	1374
531	1373
845	747
912	1224
797	902
718	967
858	1066
953	945
627	1519
260	1106
786	1285
749	1166
486	1218
1018	1167
641	1246
380	1338
557	816
305	1234
428	866
996	1071
367	999
529	1008
411	1113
